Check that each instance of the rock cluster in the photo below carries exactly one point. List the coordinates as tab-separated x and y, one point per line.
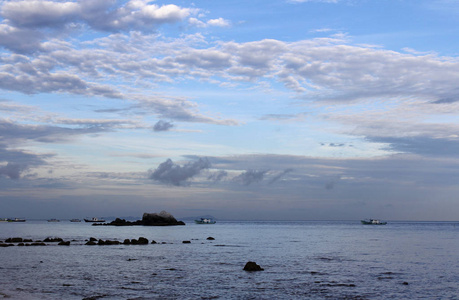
148	219
28	242
140	241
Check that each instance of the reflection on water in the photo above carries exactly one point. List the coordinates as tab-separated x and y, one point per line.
313	260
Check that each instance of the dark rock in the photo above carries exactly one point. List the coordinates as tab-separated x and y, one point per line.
127	242
14	240
91	243
95	297
100	242
53	240
109	242
186	242
252	266
405	283
91	239
27	241
153	242
142	241
162	219
210	238
6	245
21	244
148	219
38	244
64	243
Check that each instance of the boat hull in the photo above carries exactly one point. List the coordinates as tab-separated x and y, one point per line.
94	220
372	222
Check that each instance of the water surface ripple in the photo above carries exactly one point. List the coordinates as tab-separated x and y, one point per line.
302	260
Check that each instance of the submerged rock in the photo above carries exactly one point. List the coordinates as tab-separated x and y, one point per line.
252	266
53	240
64	243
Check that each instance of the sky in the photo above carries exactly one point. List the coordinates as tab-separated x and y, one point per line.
243	110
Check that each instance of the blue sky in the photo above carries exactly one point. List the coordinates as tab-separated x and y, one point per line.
282	110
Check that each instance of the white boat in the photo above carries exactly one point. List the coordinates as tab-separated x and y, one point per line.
93	220
372	222
205	221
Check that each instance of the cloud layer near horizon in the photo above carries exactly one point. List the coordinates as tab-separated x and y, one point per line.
136	94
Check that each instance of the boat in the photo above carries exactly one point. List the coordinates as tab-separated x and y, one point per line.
16	220
93	220
53	220
205	221
75	220
372	222
3	220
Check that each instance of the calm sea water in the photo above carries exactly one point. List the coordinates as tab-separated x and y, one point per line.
302	260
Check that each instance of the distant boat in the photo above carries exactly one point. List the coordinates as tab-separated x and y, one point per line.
94	220
16	220
372	222
53	220
3	220
205	221
75	220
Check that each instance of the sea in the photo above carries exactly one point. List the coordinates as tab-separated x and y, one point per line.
301	260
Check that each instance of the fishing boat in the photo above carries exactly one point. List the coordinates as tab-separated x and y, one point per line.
93	220
53	220
75	220
372	222
205	221
16	220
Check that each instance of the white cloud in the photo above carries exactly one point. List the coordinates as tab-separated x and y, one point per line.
220	22
99	14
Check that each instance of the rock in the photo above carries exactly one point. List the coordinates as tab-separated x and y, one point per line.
186	242
252	266
27	241
91	243
127	241
142	241
405	283
108	242
153	242
53	240
148	219
92	239
14	240
38	244
162	219
210	238
64	243
21	244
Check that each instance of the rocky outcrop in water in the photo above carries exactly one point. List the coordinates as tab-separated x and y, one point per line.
148	219
252	266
